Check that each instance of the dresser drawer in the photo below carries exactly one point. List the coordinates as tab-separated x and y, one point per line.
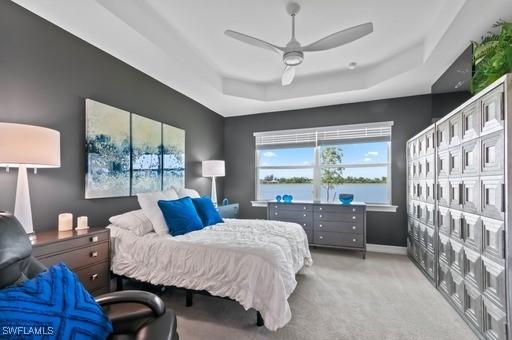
338	239
309	233
72	243
356	227
346	209
287	215
306	225
80	257
94	277
290	206
338	217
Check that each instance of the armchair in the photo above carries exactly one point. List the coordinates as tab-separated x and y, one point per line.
134	314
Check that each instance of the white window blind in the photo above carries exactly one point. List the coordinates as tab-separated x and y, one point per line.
324	135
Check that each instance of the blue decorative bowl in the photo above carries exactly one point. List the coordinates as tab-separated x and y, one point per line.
287	198
346	198
278	198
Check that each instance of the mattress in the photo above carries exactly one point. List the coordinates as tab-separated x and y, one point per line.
251	261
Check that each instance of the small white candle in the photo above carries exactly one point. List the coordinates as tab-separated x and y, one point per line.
82	222
65	222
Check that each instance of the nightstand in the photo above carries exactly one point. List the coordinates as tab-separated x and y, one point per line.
229	210
85	252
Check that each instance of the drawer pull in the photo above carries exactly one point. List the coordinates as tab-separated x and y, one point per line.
320	208
353	209
354	227
321	237
353	217
275	206
94	254
353	240
305	215
94	277
304	224
304	208
320	216
320	226
94	239
275	214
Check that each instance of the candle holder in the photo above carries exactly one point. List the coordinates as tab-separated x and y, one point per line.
65	222
82	223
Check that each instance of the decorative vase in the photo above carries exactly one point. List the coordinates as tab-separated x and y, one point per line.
287	198
346	198
278	198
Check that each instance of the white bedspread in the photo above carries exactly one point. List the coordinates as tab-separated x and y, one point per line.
251	261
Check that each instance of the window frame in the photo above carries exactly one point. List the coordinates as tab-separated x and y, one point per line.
317	166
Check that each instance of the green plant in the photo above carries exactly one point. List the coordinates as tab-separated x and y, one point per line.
492	56
332	155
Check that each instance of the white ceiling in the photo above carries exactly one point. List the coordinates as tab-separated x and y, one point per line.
181	43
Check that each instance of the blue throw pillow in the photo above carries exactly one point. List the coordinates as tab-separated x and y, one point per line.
180	215
207	211
52	305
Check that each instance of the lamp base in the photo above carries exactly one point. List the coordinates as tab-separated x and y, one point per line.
214	193
22	208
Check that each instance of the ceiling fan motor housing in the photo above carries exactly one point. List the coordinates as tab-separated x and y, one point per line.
293	58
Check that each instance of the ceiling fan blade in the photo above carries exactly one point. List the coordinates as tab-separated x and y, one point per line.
288	75
253	41
340	38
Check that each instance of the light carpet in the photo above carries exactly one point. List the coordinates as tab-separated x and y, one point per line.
340	297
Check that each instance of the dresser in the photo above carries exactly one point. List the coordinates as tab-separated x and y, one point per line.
85	252
326	224
229	210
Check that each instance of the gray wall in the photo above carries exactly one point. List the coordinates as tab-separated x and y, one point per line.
410	114
444	103
45	76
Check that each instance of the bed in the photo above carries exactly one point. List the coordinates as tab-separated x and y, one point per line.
251	261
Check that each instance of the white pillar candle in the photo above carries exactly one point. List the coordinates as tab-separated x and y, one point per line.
65	222
82	222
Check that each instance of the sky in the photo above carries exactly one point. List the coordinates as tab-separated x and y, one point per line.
352	154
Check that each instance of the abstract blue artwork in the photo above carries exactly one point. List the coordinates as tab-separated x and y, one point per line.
129	154
107	134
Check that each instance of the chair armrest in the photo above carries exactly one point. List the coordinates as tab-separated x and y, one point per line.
163	328
134	296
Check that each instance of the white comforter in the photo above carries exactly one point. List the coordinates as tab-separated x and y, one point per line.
251	261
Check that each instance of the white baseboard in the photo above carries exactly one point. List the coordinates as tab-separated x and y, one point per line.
380	248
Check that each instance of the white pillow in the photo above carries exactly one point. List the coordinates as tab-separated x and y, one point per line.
148	201
184	192
134	221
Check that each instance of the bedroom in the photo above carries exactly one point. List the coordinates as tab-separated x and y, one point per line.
130	99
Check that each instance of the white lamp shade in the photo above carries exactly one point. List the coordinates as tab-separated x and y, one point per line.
213	169
28	145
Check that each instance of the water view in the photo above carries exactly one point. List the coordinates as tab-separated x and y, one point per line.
369	193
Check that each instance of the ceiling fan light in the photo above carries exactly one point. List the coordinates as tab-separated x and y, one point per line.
293	58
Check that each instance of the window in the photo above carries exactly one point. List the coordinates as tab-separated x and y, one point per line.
319	164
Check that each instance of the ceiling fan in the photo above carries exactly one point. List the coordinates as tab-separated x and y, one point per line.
293	52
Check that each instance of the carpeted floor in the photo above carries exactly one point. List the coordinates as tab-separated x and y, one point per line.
340	297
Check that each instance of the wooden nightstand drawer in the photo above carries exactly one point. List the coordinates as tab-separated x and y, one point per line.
65	241
94	277
85	252
80	257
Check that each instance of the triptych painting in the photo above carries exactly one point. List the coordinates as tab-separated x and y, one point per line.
129	154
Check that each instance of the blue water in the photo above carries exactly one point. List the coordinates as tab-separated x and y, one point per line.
369	193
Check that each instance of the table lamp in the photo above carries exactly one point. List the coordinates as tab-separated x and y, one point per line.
27	146
213	169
